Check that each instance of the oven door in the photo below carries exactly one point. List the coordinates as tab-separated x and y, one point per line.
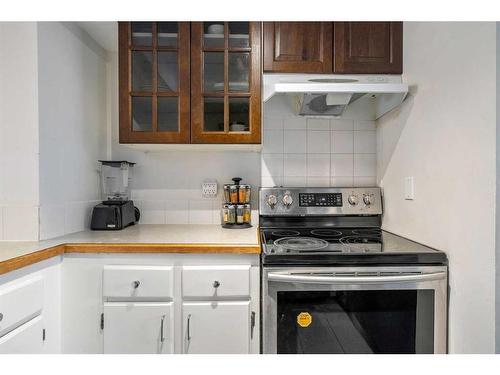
355	310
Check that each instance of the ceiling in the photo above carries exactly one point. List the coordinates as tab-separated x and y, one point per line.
104	33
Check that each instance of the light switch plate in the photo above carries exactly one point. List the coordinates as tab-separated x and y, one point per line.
409	188
209	189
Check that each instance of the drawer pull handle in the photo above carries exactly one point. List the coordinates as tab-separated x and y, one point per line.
1	317
216	284
162	337
136	284
189	327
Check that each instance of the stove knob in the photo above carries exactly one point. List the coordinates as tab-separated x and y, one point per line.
367	199
287	200
353	200
271	200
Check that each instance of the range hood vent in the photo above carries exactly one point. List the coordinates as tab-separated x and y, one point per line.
328	95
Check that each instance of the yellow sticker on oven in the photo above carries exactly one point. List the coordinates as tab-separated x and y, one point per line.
304	319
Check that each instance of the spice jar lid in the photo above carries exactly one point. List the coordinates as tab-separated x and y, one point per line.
243	186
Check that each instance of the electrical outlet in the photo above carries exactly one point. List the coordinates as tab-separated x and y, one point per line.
209	189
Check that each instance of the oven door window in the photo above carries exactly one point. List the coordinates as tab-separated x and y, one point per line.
357	322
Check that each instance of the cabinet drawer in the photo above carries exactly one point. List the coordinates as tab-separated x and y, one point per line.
26	339
216	281
20	302
138	282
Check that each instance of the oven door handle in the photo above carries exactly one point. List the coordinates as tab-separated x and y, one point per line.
312	279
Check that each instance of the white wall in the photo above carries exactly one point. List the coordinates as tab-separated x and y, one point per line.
497	237
72	120
19	196
444	136
301	151
167	184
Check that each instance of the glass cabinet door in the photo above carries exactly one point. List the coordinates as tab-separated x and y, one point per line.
225	82
154	82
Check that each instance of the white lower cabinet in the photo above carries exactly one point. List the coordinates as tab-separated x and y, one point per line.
138	328
25	339
217	327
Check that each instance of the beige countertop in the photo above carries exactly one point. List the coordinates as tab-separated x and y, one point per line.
185	238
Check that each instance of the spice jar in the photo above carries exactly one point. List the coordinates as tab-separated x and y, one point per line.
247	214
239	214
233	193
244	193
227	194
231	213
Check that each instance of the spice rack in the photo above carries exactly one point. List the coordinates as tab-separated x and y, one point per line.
236	209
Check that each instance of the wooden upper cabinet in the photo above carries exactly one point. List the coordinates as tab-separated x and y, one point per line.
298	47
154	76
333	47
225	82
368	47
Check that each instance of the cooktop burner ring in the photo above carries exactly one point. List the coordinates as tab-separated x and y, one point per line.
359	240
368	232
285	233
326	233
301	243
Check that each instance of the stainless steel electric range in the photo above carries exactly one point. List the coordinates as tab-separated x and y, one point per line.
334	282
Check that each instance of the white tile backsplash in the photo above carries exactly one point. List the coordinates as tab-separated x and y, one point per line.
342	142
342	165
318	142
20	223
200	212
365	142
365	165
295	141
294	165
318	165
365	181
273	142
318	124
176	211
316	151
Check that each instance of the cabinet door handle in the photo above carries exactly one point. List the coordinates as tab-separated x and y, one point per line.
189	327
162	337
136	284
252	324
1	317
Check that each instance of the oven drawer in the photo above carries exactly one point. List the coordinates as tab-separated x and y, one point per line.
138	282
216	281
20	302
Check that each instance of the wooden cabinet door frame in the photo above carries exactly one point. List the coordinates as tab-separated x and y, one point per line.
273	63
127	135
345	60
198	134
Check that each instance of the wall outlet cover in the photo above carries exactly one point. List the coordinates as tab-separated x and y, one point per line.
209	189
409	188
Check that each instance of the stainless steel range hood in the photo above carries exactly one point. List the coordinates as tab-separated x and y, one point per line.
330	95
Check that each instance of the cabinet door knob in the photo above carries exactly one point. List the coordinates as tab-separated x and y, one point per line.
216	284
136	284
1	317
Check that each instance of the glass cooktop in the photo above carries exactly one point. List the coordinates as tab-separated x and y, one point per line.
329	245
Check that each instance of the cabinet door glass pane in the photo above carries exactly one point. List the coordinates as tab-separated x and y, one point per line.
141	113
213	34
142	71
238	71
168	118
167	71
214	114
167	34
238	35
238	114
214	71
142	33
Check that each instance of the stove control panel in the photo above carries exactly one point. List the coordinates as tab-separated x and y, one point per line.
320	199
282	201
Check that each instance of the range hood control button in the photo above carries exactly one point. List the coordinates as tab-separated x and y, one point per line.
353	200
